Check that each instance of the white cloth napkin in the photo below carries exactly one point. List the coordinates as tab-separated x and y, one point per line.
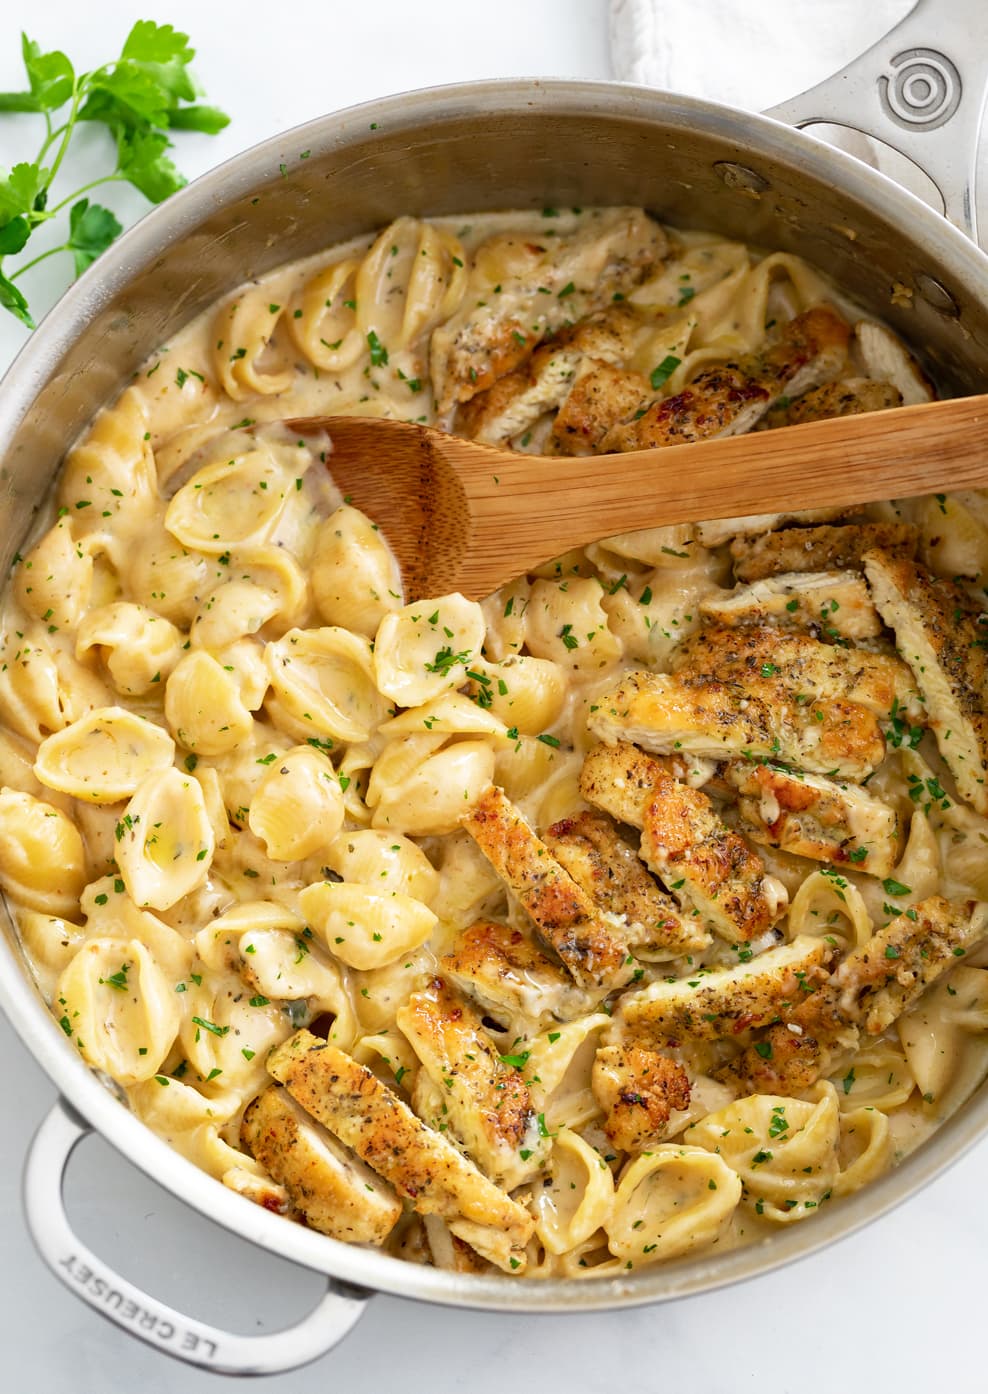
747	53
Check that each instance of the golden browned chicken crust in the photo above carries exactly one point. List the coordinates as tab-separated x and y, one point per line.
590	943
886	974
722	1002
869	989
421	1164
830	604
945	643
491	335
755	719
820	548
610	871
597	401
510	976
730	398
640	1091
848	397
781	667
485	1102
814	817
335	1192
709	868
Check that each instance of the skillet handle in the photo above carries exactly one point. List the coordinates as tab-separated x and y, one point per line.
921	89
143	1316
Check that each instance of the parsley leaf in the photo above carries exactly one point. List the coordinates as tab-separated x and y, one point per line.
91	230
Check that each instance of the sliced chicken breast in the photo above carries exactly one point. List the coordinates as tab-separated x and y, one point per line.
511	979
485	1102
545	284
331	1187
712	872
945	643
729	399
643	1093
721	1002
421	1164
831	604
611	873
819	548
599	398
848	397
758	719
591	943
815	817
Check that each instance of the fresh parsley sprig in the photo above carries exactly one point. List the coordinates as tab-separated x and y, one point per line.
139	96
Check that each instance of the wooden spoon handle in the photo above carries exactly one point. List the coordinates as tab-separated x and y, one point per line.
849	460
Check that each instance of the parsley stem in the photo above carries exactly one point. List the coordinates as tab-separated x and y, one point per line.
94	183
41	257
67	129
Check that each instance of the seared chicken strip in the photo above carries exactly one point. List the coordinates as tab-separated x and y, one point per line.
598	400
716	531
485	1102
591	943
814	1036
710	869
720	1002
516	401
944	642
882	978
814	817
420	1163
510	977
545	283
819	548
336	1192
757	719
873	986
611	873
886	358
783	667
835	604
848	397
642	1093
728	400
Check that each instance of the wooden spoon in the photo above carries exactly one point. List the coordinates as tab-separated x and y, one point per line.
468	517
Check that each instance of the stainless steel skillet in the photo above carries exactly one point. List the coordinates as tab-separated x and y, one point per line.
494	145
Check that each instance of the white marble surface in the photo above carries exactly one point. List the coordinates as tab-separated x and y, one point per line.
898	1307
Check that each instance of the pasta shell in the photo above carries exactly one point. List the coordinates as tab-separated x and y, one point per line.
671	1200
298	808
229	612
324	681
363	926
164	840
138	647
433	798
31	697
864	1150
450	713
119	1008
171	576
203	706
784	1150
413	277
355	577
50	942
565	622
54	581
290	967
227	1034
579	1195
231	504
42	859
425	649
245	364
385	860
324	323
504	619
104	756
110	472
218	943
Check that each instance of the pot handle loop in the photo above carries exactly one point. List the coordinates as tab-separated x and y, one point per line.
143	1316
921	89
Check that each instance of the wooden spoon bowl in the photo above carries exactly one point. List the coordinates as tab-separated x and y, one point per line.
468	517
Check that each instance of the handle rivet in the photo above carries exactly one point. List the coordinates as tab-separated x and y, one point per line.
741	177
936	295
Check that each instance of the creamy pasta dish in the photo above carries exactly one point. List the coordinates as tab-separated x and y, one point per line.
634	911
